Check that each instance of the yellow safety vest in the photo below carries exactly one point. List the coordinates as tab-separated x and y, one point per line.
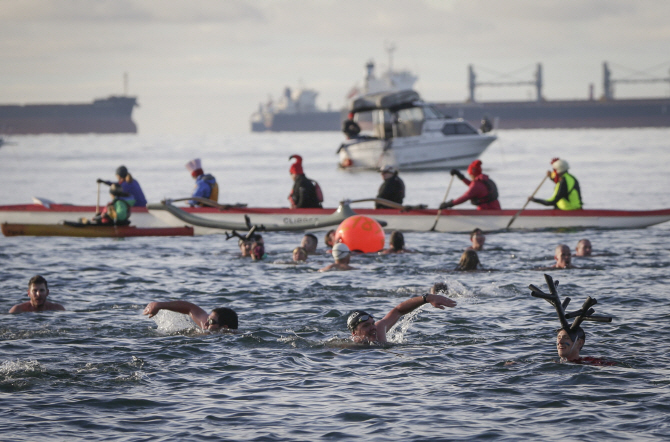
574	199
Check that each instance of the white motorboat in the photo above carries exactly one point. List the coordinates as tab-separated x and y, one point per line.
399	129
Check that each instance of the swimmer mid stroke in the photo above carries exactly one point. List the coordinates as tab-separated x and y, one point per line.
220	319
38	290
364	329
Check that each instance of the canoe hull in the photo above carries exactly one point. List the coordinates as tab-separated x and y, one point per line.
91	231
452	220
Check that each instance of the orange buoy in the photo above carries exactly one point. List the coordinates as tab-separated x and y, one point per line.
362	233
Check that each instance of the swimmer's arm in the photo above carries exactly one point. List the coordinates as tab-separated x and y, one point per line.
437	301
198	315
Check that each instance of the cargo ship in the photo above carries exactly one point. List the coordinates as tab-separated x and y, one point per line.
604	112
104	116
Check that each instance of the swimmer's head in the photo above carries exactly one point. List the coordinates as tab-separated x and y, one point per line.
356	317
439	287
583	248
329	239
397	240
309	242
570	342
340	251
222	317
299	254
257	251
469	260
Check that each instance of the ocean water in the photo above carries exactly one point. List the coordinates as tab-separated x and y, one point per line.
484	370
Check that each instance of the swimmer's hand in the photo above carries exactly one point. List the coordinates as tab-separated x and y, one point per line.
151	309
439	301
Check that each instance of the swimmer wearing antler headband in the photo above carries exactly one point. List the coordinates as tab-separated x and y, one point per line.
571	337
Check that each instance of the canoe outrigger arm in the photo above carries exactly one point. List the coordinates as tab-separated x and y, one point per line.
583	314
343	212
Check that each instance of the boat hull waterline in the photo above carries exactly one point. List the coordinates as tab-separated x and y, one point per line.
92	230
420	220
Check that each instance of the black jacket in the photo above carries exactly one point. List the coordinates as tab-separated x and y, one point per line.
304	193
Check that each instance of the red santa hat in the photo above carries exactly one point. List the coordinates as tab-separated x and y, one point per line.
296	168
195	167
475	168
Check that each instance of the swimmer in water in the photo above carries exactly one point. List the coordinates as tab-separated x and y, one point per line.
329	239
221	318
38	290
563	257
342	256
309	243
477	238
469	261
397	242
571	337
364	329
299	254
583	248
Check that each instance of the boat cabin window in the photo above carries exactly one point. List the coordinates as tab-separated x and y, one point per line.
375	123
458	129
409	122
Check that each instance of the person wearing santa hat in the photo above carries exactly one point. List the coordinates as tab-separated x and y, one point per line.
567	195
205	184
306	193
482	191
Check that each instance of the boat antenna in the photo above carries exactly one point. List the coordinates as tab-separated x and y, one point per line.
583	314
125	83
390	48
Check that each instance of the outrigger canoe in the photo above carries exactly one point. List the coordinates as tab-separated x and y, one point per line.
91	230
413	220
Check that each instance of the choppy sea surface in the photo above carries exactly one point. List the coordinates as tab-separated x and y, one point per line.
484	370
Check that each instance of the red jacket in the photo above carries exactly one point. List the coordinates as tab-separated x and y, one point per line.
478	190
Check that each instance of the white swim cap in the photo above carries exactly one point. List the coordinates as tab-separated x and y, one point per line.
560	166
340	251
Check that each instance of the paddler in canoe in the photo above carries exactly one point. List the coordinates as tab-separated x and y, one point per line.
392	189
482	191
117	212
567	195
205	184
129	185
306	193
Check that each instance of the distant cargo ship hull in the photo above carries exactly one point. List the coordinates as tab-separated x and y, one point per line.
105	116
565	114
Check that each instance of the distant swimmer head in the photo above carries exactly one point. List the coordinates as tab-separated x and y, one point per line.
357	317
439	287
257	251
195	167
397	240
340	251
122	172
560	166
475	168
296	168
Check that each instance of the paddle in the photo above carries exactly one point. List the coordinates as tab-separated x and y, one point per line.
439	212
527	201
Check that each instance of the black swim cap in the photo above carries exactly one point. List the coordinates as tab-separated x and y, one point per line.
356	317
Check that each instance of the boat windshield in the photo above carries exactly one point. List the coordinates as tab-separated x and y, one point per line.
459	128
409	122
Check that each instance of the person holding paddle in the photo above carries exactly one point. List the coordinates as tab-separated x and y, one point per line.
392	189
482	191
205	184
567	195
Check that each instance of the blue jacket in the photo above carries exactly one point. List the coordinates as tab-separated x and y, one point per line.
203	187
134	190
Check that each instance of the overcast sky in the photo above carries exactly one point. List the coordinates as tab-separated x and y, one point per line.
202	66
